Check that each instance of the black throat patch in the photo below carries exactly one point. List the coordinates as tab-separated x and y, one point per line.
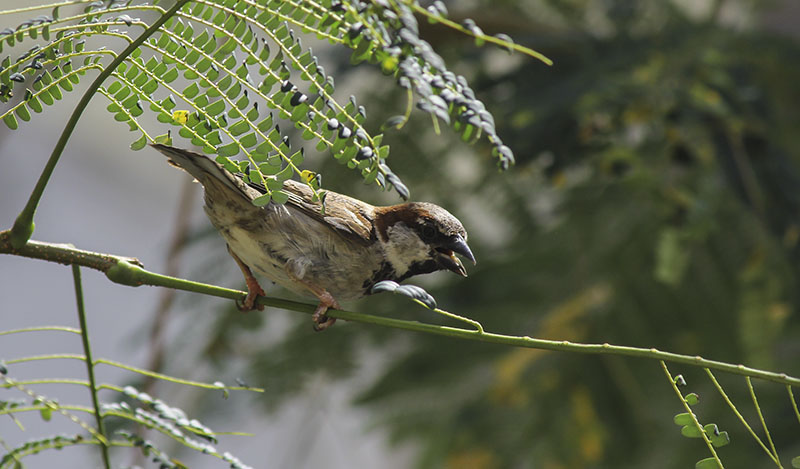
387	272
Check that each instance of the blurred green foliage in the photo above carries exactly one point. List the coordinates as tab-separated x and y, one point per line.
654	203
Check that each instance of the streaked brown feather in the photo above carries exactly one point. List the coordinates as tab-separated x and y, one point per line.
349	217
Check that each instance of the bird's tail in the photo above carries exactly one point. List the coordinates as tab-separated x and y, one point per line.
204	169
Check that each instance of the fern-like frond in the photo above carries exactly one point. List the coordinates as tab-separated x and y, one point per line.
216	66
13	458
143	411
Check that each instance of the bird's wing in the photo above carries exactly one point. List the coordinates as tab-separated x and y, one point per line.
350	218
204	169
346	216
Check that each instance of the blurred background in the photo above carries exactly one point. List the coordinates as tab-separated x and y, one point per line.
654	203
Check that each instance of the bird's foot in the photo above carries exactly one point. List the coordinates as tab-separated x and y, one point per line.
321	320
254	290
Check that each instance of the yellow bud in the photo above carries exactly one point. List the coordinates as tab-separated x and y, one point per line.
180	116
308	176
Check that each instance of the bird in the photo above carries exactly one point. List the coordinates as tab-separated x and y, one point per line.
335	255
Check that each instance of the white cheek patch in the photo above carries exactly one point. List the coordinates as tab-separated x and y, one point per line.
404	248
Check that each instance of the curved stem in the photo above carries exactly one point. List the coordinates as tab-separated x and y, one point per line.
794	403
23	225
40	407
763	422
41	328
87	349
172	379
499	42
71	356
692	414
478	327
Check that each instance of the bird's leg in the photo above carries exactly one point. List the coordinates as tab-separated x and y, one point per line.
254	290
326	300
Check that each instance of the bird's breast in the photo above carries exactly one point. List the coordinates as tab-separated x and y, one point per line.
283	246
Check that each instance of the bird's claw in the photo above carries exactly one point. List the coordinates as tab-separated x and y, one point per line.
250	301
321	320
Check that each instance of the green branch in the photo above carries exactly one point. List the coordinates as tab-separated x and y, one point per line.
794	403
774	451
23	225
127	271
87	349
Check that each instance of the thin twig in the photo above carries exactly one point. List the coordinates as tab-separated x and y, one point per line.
763	422
133	369
794	403
41	328
691	414
499	42
87	349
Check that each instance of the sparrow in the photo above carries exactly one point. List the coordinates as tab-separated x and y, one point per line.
334	255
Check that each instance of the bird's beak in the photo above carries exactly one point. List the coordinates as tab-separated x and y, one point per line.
447	255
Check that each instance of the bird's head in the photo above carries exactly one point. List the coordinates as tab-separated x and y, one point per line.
419	238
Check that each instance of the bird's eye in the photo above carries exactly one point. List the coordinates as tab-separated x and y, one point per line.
428	232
